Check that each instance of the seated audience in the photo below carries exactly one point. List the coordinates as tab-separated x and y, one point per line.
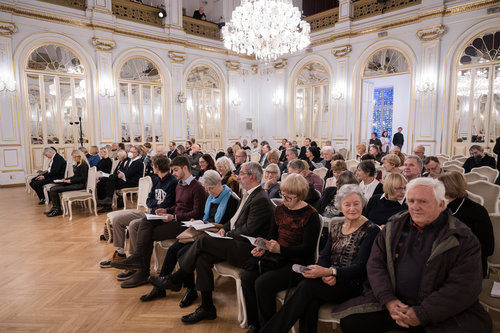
368	184
338	167
273	157
194	159
55	170
341	269
412	168
172	150
245	145
105	164
291	240
397	151
360	151
326	204
300	167
381	207
327	152
190	199
240	157
432	167
219	208
181	151
312	178
271	185
307	144
291	154
253	218
478	159
93	157
255	146
225	168
474	215
391	164
146	159
419	151
374	140
123	163
314	159
386	142
206	162
264	152
77	182
162	195
375	152
424	272
230	154
126	178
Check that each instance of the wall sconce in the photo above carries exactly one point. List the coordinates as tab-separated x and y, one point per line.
277	99
425	87
107	91
7	85
337	94
181	98
236	101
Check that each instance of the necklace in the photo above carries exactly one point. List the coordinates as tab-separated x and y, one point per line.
453	213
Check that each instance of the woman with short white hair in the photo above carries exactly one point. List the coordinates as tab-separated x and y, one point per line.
272	174
225	168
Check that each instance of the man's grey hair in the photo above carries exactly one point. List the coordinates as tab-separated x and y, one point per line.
210	178
435	185
328	148
415	157
347	190
50	150
253	168
83	150
297	165
293	151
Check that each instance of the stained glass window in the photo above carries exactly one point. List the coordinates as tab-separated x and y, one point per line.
382	110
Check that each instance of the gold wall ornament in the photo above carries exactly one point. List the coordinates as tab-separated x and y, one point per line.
233	65
430	33
342	50
255	69
280	63
103	44
7	28
177	57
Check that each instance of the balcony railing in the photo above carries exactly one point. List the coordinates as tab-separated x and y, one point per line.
132	11
367	8
201	28
76	4
323	20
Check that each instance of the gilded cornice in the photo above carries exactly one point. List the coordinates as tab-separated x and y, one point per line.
103	44
177	56
280	63
342	50
7	28
430	33
233	65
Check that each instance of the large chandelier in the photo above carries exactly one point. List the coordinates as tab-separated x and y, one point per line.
266	28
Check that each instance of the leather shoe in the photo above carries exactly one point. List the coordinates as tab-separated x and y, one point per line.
49	211
138	279
41	202
199	315
55	212
189	297
105	209
155	293
253	329
164	283
132	262
105	202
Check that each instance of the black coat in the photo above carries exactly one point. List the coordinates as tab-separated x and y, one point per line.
104	165
57	169
134	172
80	175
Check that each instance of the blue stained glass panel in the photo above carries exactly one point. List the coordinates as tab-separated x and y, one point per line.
383	116
388	96
377	97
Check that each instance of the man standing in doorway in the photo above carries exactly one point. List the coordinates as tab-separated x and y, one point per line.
398	139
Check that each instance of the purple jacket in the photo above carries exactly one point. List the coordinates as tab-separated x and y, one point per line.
450	285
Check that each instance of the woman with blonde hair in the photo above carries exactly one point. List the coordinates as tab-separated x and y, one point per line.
338	167
391	164
105	164
381	207
77	182
94	157
361	150
273	156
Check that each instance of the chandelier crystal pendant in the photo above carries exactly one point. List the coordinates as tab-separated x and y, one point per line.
266	28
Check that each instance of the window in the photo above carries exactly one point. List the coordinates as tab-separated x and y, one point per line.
382	110
140	87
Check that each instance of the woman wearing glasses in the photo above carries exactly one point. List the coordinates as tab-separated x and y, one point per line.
381	207
292	240
272	174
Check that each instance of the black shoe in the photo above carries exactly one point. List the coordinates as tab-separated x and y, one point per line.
41	202
55	212
125	275
189	297
105	202
199	315
105	209
138	279
132	262
155	293
49	211
253	329
164	283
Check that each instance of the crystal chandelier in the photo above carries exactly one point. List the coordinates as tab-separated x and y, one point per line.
266	28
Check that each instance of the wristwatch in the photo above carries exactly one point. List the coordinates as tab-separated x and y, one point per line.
334	271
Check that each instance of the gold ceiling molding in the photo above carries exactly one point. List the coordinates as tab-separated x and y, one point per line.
177	57
255	69
7	28
430	33
103	44
341	51
233	65
280	63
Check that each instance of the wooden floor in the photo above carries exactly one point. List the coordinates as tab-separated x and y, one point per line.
50	279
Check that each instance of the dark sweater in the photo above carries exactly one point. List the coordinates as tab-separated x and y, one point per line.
378	210
189	201
163	190
80	174
477	219
231	208
487	160
105	165
297	232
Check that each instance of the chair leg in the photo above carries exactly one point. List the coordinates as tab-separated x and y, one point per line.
155	258
70	210
108	226
124	197
46	195
95	205
242	309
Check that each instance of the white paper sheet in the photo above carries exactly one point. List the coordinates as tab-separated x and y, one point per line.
495	291
216	235
155	217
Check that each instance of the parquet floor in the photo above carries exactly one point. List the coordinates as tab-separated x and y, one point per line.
50	280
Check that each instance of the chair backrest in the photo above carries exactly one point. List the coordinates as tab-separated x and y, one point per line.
491	173
461	159
255	157
69	169
453	167
454	157
442	159
452	162
490	193
474	197
91	180
472	177
351	163
114	165
145	186
344	152
321	172
494	259
316	254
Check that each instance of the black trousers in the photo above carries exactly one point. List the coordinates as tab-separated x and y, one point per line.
151	231
115	183
305	302
207	251
101	188
55	190
376	322
260	291
174	252
37	186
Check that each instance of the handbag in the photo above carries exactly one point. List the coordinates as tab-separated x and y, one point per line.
191	234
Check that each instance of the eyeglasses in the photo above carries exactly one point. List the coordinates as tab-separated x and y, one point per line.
271	173
400	188
244	173
286	197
